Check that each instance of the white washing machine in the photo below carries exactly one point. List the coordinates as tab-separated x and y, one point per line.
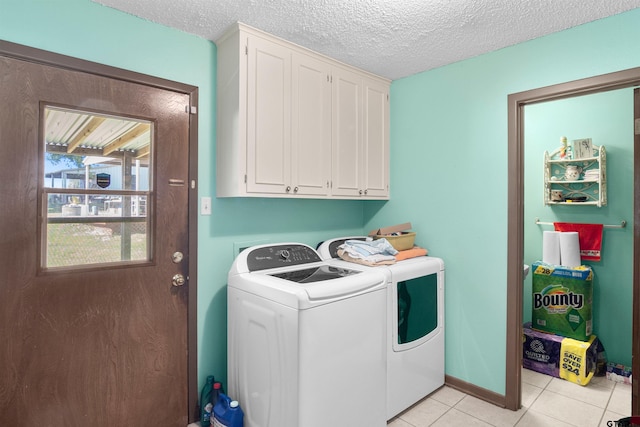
415	324
306	341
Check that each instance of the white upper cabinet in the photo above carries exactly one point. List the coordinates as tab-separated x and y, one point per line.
293	123
360	135
268	117
311	126
347	134
375	165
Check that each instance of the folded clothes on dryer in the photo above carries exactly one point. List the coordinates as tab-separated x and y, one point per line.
375	252
372	261
364	248
416	251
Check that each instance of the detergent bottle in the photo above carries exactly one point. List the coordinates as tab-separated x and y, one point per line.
215	395
206	406
227	413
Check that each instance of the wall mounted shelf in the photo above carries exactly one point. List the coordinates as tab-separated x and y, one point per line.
592	191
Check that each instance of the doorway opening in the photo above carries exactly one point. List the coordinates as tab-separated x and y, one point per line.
516	103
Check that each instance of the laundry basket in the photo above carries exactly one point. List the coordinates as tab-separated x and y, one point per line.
400	242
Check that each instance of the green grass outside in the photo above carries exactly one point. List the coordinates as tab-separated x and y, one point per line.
81	244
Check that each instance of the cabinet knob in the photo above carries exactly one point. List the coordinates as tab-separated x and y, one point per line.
288	189
360	192
295	190
366	192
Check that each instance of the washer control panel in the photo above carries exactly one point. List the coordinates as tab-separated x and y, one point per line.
267	257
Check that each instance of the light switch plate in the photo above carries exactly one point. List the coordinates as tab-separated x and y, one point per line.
205	206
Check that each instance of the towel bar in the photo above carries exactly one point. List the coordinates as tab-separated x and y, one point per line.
623	224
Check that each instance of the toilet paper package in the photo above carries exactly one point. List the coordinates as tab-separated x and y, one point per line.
562	300
559	356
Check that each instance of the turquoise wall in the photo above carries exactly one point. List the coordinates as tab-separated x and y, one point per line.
449	177
606	118
448	161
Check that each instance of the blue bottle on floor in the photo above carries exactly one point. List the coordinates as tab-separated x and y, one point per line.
227	413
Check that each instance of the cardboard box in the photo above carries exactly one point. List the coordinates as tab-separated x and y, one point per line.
562	300
389	230
559	356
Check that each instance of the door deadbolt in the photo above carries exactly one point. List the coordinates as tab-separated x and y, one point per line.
177	257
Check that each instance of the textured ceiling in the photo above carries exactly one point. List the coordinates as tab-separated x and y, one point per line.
391	38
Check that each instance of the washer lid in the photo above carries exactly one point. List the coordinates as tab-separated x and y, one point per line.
300	294
293	274
315	274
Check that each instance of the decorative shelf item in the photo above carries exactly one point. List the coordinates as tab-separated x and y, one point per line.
576	181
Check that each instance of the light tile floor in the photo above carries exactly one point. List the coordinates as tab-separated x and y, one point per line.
546	401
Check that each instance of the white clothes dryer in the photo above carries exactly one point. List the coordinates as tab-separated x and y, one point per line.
306	341
415	324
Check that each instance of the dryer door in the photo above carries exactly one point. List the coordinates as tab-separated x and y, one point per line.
416	311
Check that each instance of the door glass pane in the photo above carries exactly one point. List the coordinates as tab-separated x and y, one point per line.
96	189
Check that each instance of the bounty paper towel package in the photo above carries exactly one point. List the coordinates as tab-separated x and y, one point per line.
562	300
558	356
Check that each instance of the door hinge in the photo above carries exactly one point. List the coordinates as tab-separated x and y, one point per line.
245	178
193	183
637	126
191	109
246	50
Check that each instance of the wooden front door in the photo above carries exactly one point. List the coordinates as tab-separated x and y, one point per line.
94	183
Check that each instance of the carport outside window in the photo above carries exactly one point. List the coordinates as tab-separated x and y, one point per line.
96	190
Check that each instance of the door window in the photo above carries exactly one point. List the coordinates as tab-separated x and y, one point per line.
96	189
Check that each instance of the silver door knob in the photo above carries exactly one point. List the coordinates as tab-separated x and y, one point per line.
177	280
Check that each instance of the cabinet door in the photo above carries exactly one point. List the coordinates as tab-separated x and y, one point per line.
347	133
375	167
268	116
310	126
